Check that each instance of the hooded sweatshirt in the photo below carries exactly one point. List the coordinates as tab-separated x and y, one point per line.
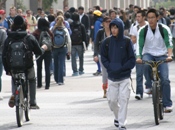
117	54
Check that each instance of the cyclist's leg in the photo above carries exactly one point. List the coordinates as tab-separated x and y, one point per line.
165	83
32	85
139	79
147	70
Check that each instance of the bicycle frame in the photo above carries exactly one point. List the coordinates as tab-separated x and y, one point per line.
156	90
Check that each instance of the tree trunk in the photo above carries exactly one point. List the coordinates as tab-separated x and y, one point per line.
2	4
40	3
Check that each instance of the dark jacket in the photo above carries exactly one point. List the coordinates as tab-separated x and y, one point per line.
97	26
85	21
32	44
83	31
118	57
101	35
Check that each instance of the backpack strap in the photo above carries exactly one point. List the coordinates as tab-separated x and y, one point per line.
161	30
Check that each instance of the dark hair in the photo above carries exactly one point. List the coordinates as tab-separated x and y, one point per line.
51	18
137	7
131	5
152	10
106	18
81	8
111	11
43	24
97	7
162	8
75	17
67	15
22	27
39	9
172	11
142	12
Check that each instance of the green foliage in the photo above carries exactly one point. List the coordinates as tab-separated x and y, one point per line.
167	4
20	5
48	3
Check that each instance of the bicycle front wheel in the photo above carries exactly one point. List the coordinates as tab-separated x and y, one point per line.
19	107
155	98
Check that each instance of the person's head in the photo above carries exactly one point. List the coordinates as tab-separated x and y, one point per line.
152	17
2	14
51	18
67	15
162	9
20	12
112	14
43	24
19	24
106	22
117	28
172	11
42	14
136	9
39	10
72	10
51	11
66	8
131	7
140	16
75	17
60	12
81	10
13	11
97	7
28	12
59	21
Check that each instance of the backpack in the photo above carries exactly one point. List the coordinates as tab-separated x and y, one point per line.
45	39
59	37
76	36
160	29
19	55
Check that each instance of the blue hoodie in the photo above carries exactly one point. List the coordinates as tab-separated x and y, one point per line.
117	55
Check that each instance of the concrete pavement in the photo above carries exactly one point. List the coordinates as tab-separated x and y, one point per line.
78	105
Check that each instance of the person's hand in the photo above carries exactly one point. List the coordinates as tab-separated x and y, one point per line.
96	58
44	47
139	61
169	59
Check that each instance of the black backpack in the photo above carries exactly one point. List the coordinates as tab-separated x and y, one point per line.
76	36
19	55
45	39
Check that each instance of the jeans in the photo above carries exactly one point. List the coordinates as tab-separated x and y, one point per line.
59	64
139	79
47	60
77	49
1	69
164	77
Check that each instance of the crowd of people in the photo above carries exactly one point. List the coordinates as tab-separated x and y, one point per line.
119	38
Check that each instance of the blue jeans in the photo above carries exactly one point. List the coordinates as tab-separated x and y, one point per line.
139	79
77	49
164	77
1	69
59	63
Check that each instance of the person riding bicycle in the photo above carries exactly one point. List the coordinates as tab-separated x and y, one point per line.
18	31
155	43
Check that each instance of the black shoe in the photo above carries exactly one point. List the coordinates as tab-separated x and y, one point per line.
97	73
122	128
39	86
34	106
116	123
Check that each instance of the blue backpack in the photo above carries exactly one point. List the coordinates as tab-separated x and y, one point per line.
59	39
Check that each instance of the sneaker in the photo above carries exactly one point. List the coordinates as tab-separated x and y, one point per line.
97	73
148	91
168	109
75	74
116	123
122	128
60	83
12	101
34	106
138	97
81	72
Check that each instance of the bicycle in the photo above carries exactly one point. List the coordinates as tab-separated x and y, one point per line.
156	90
21	97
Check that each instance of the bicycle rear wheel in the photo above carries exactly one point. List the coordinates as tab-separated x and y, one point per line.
155	99
27	108
19	107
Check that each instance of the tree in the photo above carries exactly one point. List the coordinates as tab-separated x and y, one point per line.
48	3
65	3
2	4
19	5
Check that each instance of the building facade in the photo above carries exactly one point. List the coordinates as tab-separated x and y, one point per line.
106	4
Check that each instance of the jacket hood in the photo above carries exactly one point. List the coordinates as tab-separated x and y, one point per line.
17	34
119	23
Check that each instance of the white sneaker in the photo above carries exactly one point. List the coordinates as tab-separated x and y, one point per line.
138	97
168	109
148	91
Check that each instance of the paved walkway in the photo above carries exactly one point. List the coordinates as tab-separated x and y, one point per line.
78	105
